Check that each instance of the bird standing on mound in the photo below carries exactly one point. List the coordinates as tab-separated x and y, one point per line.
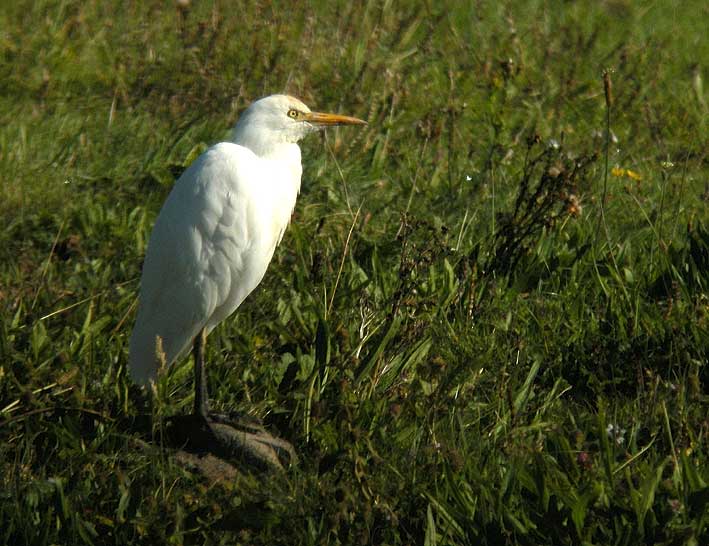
211	245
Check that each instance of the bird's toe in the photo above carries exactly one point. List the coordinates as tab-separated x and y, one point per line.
236	438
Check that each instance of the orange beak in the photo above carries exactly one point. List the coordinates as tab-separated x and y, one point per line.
329	120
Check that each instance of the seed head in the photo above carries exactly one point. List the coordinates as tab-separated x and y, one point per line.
608	87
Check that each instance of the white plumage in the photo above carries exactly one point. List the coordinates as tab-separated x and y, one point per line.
217	231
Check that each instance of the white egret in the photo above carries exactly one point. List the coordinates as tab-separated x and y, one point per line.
216	233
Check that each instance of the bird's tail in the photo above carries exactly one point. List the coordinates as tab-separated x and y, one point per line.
153	349
147	355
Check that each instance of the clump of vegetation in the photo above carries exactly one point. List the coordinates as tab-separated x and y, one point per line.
547	193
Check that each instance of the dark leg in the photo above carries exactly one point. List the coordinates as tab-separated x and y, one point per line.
201	403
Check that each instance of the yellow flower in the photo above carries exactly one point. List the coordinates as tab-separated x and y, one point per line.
620	172
617	171
633	175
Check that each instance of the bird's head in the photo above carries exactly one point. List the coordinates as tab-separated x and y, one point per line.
282	119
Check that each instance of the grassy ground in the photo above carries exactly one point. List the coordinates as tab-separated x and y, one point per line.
487	324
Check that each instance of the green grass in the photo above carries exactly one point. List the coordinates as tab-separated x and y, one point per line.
463	340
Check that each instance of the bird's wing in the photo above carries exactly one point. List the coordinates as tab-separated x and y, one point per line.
195	251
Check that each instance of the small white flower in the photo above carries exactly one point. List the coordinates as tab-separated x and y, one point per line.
616	434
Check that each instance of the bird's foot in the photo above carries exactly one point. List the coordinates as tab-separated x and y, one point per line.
233	437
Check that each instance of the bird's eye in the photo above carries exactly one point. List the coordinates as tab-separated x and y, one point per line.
293	113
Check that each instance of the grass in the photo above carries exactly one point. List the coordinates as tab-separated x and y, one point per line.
477	330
